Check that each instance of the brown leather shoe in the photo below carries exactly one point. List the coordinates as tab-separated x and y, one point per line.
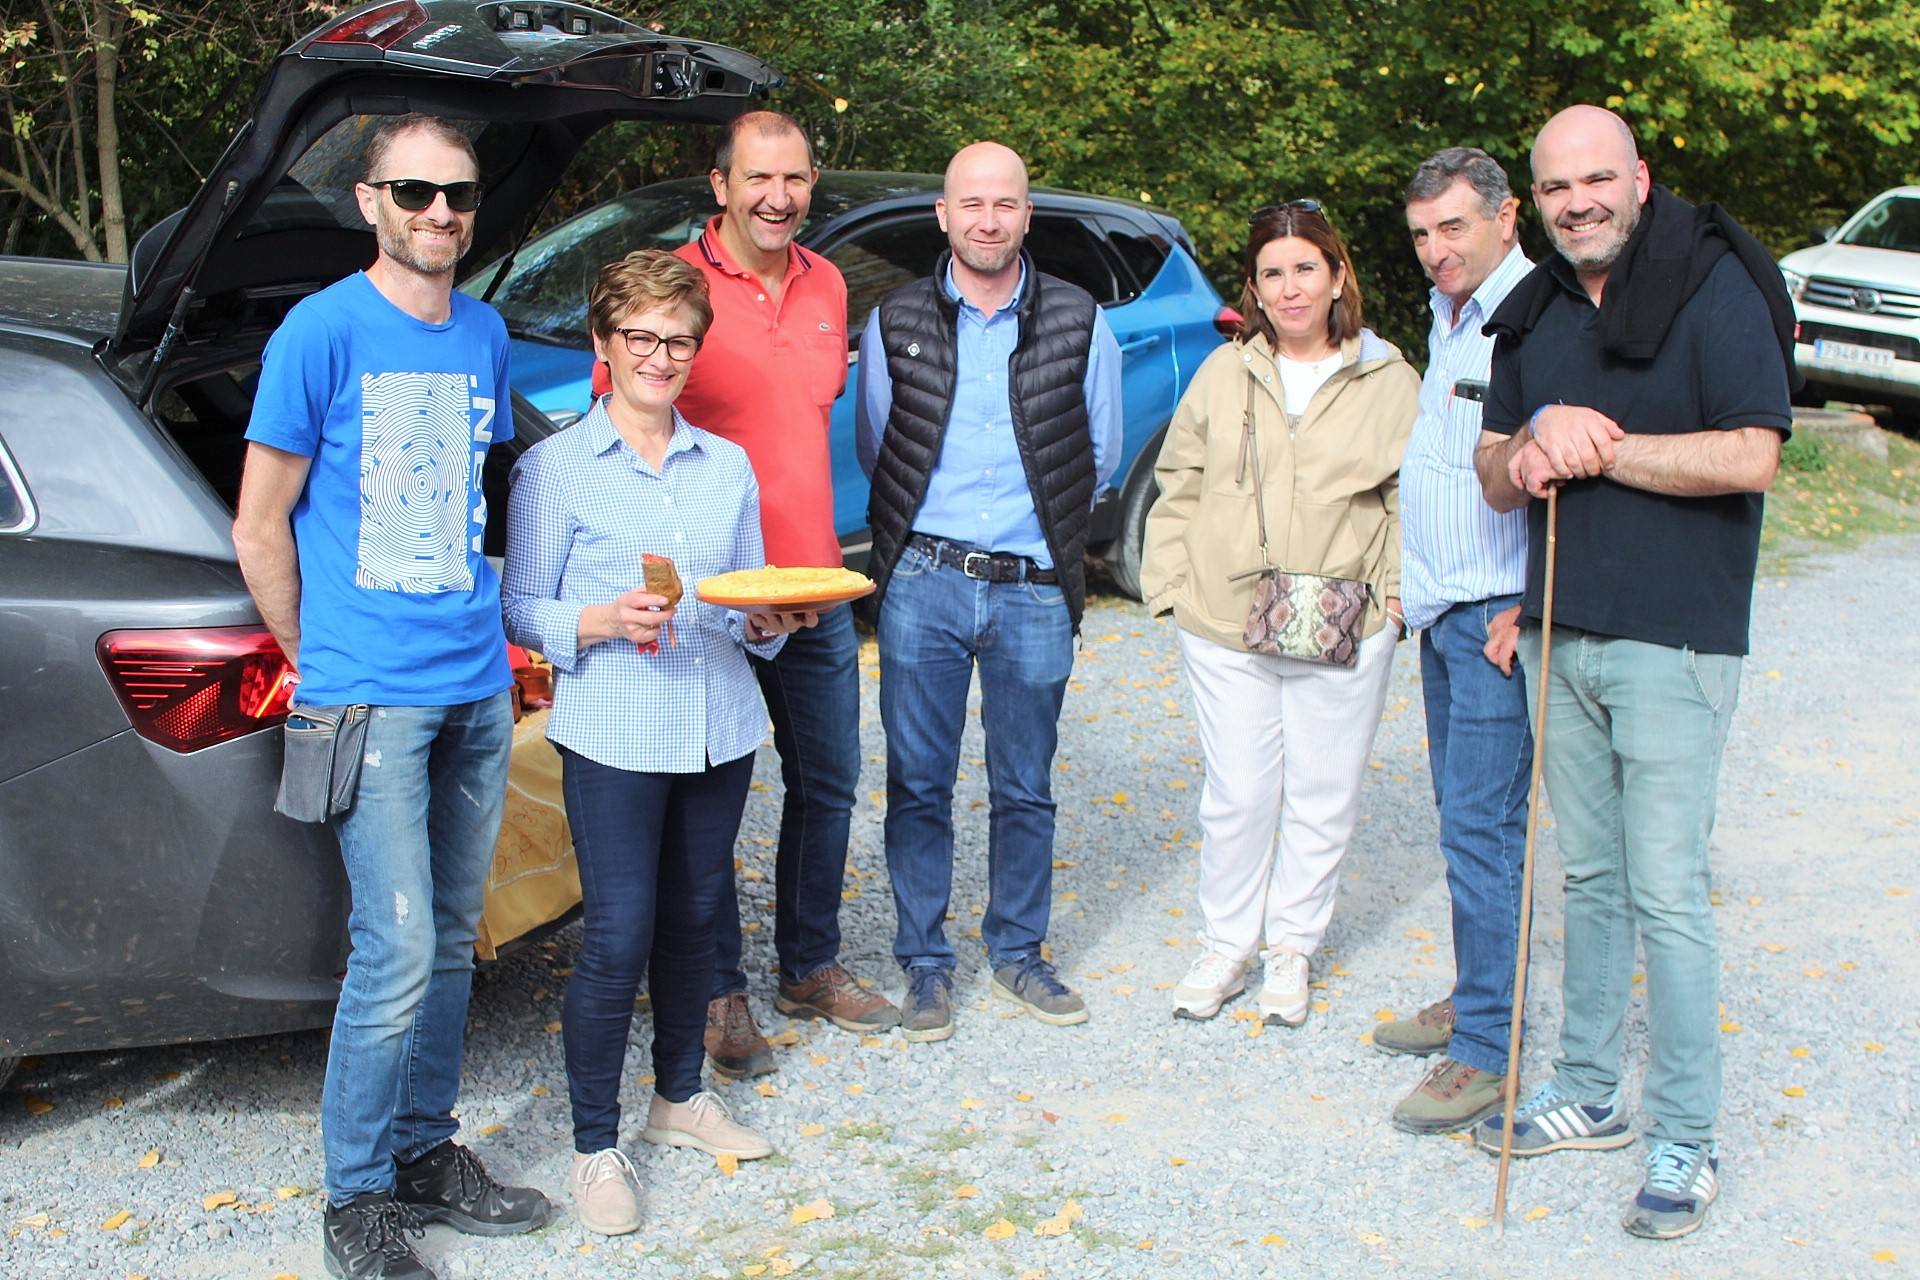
832	993
1427	1032
734	1044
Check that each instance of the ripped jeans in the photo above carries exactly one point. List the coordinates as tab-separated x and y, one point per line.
417	845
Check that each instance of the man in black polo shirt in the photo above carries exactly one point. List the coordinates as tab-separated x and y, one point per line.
1641	369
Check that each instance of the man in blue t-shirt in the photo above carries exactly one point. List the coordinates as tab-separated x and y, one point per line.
359	534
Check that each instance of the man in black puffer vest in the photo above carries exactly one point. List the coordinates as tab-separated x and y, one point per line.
989	418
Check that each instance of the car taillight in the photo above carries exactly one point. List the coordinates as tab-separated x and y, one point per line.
190	688
1227	321
381	26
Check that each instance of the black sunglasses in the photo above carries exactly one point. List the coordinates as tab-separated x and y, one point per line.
415	194
1286	206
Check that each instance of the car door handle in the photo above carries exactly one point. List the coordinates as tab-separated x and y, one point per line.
1140	343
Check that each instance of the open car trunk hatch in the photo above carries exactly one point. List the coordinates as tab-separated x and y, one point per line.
277	219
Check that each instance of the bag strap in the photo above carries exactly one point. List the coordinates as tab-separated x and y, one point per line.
1250	446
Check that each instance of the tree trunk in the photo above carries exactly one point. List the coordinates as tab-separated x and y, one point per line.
109	26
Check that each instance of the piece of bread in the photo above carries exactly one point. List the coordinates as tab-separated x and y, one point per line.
662	578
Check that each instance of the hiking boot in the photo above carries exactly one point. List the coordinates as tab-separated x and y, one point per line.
1453	1096
1283	996
606	1192
833	994
926	1011
1032	982
1551	1121
1427	1032
366	1239
703	1123
734	1044
449	1184
1212	980
1682	1180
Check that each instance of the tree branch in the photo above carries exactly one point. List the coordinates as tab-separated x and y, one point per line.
55	210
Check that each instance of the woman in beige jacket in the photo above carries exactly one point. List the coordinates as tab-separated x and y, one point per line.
1286	741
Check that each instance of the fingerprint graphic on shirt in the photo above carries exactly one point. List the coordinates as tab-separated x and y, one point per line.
416	449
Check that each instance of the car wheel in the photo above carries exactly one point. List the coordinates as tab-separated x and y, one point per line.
1129	545
1811	396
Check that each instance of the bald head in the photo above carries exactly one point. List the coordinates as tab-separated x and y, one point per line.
1588	131
984	208
1589	183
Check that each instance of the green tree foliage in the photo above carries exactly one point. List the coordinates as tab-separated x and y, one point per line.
1790	112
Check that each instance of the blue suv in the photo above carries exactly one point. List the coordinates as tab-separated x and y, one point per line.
879	229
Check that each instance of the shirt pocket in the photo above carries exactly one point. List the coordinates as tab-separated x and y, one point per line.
823	352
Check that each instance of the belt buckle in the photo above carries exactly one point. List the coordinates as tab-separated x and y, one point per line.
985	570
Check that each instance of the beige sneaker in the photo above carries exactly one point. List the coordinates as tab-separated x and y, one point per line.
1283	996
703	1123
606	1192
1210	982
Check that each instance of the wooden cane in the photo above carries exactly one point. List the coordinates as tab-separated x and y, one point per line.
1526	874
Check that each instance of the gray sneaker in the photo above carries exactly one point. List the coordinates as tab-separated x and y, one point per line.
926	1011
1032	982
1682	1180
1551	1121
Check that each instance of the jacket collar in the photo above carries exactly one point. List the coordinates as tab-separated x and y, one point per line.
713	251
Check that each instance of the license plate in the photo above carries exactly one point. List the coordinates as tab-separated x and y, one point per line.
1852	353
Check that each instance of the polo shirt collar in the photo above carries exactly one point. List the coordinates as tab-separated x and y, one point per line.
600	435
1011	305
714	250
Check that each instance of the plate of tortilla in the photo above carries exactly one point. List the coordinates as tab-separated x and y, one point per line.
784	589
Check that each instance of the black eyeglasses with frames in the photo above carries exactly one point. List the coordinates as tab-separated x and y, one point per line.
1286	206
642	343
416	194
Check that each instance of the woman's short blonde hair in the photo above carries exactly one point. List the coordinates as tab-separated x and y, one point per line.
642	281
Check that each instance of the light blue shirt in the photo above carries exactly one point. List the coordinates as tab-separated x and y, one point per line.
1454	547
584	508
978	494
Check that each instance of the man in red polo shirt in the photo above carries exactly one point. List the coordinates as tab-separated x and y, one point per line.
766	378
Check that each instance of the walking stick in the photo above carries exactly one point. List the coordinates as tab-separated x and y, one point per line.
1526	874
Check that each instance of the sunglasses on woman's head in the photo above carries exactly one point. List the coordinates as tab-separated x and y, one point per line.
416	194
1285	206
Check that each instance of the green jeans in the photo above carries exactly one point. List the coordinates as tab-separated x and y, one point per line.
1633	742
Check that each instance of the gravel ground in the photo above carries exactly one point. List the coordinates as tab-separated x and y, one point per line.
1223	1148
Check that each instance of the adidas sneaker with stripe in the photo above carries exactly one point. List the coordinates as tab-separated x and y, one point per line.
1551	1121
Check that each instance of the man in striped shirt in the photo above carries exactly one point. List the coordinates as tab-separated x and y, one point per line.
1464	566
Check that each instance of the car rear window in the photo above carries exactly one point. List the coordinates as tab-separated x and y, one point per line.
1894	223
544	295
15	515
1143	254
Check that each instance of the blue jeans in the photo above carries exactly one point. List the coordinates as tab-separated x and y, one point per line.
1634	737
417	845
656	858
1480	748
812	688
935	625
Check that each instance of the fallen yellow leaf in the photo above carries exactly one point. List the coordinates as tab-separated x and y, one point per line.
1384	1015
1164	986
754	1269
969	1104
1799	1051
812	1130
1117	1117
34	1220
1271	1239
1775	947
1538	1211
114	1104
766	1090
1023	1096
729	1163
585	1248
812	1211
116	1222
965	1191
1794	1091
1054	1226
1731	1028
1874	1046
540	1091
219	1200
1886	1255
488	1130
818	1059
1001	1229
785	1039
1814	972
1145	1246
1898	891
1472	1223
1176	1161
1321	1006
148	1160
856	1089
1418	935
289	1193
553	1028
1370	1237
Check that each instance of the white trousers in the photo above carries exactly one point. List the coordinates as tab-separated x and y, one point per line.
1286	744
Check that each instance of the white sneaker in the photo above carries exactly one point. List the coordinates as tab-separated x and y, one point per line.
1211	982
606	1193
1283	996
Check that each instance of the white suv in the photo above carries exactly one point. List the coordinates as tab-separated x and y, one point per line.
1857	302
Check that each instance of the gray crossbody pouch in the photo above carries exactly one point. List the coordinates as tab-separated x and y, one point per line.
321	769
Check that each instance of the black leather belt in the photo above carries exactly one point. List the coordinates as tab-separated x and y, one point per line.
988	566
